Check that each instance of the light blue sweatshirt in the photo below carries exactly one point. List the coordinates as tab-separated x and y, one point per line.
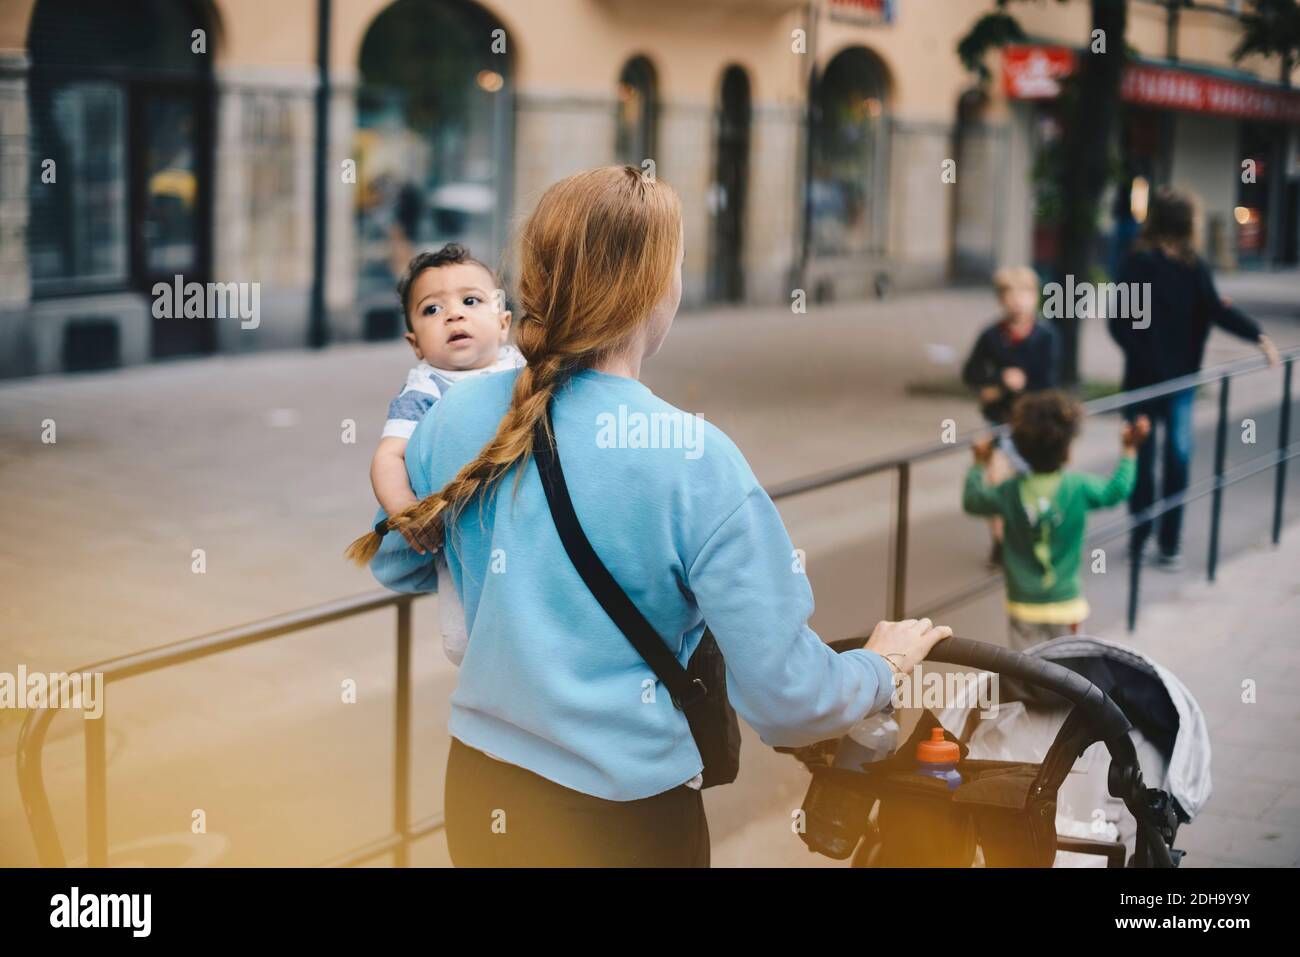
548	682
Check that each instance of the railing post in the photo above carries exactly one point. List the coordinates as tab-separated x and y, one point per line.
1283	443
97	789
31	786
1220	455
1134	580
402	737
898	605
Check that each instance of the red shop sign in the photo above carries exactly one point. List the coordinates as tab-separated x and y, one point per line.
1035	72
867	12
1195	92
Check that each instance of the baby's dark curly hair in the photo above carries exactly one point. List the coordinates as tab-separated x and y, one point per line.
1043	424
452	254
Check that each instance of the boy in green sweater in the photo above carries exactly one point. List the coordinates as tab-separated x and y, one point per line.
1045	513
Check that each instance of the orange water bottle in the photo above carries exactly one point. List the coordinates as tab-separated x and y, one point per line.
938	757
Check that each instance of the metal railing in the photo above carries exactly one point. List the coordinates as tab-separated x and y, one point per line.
404	832
902	467
31	738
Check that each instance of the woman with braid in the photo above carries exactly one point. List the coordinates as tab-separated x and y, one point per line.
565	749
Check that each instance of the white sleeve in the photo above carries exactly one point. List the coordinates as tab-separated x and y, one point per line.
399	428
451	614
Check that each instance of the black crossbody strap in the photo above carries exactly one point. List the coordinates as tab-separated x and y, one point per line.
620	608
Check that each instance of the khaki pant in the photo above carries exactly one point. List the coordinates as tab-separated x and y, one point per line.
1023	635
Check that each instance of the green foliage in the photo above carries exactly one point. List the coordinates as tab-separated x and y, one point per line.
1049	166
1046	177
990	32
952	387
1090	389
1271	28
416	56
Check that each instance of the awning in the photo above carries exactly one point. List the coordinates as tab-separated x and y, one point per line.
1031	72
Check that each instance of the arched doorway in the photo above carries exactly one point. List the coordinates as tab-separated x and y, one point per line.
728	194
434	143
120	100
636	124
849	158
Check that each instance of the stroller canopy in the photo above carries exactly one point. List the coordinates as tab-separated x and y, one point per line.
1156	703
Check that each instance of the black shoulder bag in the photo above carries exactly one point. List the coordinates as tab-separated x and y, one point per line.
699	690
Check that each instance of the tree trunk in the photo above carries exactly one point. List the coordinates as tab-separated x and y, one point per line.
1089	130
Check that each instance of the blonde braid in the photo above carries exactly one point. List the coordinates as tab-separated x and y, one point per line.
513	443
598	254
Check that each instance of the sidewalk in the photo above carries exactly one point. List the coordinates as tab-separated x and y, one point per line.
1215	638
1233	643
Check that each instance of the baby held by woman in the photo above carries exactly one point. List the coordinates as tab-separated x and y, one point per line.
456	324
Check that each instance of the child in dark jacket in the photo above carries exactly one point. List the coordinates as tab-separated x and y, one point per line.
1013	356
1045	514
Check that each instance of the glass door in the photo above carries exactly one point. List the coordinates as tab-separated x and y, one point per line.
170	200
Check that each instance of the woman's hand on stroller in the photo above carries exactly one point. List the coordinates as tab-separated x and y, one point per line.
905	643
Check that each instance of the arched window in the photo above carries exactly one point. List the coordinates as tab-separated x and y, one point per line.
638	102
119	118
433	138
850	115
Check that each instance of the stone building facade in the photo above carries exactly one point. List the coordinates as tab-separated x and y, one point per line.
183	136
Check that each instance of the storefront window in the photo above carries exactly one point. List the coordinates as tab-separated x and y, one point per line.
635	126
433	138
118	102
848	156
1261	144
170	177
78	222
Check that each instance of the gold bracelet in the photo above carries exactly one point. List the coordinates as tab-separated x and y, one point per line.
898	671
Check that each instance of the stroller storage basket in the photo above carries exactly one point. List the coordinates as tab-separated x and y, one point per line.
1006	809
922	822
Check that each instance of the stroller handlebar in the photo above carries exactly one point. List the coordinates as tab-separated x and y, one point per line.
1102	713
1100	710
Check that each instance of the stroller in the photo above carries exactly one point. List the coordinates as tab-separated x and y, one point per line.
1034	775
